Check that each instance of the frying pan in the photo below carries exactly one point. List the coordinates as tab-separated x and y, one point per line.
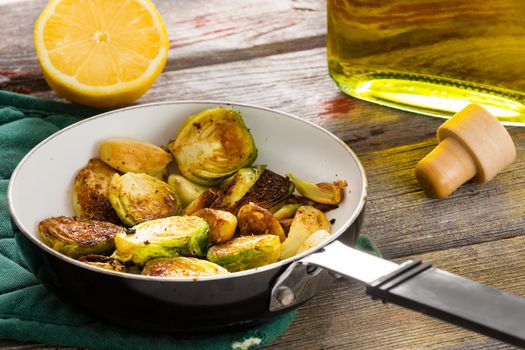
40	187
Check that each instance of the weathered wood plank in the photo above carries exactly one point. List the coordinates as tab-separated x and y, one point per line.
201	32
342	317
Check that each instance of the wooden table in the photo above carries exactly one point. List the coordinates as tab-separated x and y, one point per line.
272	53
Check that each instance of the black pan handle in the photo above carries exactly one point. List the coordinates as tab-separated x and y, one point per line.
454	299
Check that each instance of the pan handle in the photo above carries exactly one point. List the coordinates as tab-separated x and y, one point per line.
417	286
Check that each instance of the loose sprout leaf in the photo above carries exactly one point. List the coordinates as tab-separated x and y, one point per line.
306	221
167	237
287	211
204	200
323	193
90	192
313	240
245	252
182	267
76	237
212	145
140	197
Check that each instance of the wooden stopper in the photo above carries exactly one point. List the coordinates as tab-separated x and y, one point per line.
472	145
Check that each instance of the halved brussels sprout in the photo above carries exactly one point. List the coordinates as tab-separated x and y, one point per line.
287	211
222	224
90	192
314	240
255	220
186	190
76	237
306	221
104	262
245	252
167	237
182	267
140	197
324	192
130	155
236	187
204	200
270	190
212	145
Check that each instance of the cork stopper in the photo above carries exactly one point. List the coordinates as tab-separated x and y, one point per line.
473	145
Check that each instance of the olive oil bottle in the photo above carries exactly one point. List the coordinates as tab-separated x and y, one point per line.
431	56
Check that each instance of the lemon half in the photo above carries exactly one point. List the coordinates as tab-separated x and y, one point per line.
101	53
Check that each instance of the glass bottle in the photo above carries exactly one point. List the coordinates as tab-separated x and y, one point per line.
431	56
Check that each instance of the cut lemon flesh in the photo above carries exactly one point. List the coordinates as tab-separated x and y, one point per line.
101	53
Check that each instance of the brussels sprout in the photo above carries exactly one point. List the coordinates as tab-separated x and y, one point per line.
104	262
167	237
76	237
140	197
236	187
306	221
222	224
90	192
255	220
204	200
212	145
182	267
324	192
314	240
135	156
287	211
186	190
269	191
245	252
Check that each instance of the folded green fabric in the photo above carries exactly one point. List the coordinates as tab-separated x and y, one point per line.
28	311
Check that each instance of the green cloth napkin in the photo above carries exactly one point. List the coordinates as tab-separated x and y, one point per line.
28	311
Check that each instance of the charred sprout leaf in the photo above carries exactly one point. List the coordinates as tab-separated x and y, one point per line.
255	220
305	201
287	211
270	190
186	190
314	240
222	224
204	200
306	221
236	187
245	252
212	145
135	156
104	262
76	237
324	192
90	192
182	267
140	197
167	237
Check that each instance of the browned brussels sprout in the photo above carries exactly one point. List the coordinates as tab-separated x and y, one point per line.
76	237
245	252
140	197
255	220
182	267
212	145
324	192
234	188
167	237
104	262
135	156
306	221
186	190
270	190
90	192
222	224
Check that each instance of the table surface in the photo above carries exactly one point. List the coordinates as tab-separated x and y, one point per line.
272	53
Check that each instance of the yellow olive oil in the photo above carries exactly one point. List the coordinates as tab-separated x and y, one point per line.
430	56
